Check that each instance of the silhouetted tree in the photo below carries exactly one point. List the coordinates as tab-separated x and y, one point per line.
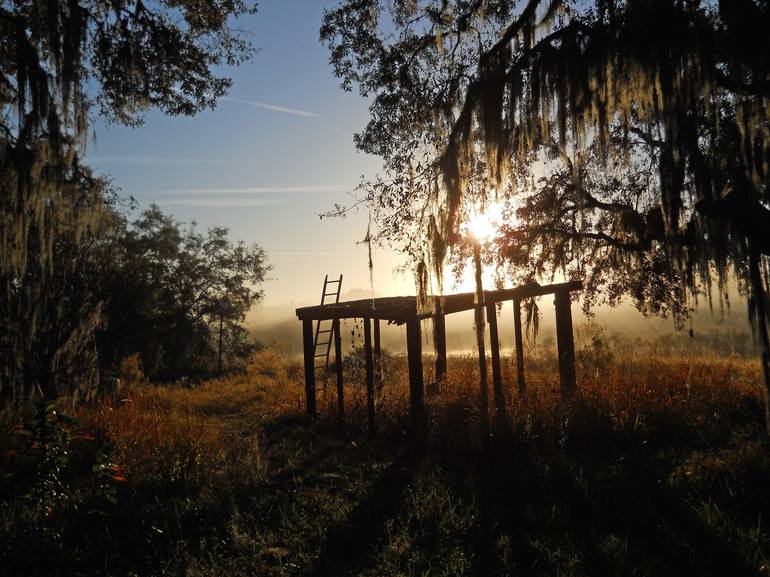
171	294
61	63
630	139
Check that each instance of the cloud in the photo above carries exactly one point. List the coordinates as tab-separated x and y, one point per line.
294	254
225	202
266	106
159	160
319	188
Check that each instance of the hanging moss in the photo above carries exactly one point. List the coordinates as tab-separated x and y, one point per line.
61	63
633	137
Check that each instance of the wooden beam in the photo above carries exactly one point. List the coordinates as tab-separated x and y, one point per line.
338	367
369	375
565	342
519	348
501	417
309	353
402	309
416	384
439	345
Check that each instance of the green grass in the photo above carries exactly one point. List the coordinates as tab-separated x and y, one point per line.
659	467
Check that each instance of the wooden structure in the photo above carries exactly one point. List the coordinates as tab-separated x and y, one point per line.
324	334
411	311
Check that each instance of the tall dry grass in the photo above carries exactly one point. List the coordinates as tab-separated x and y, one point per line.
622	392
228	477
203	434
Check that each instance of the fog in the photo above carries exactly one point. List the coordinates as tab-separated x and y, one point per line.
723	330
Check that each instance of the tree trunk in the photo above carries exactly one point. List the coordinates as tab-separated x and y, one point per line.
760	318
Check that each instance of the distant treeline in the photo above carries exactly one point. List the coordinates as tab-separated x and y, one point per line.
148	288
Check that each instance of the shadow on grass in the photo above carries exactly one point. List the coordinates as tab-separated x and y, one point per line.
351	544
587	512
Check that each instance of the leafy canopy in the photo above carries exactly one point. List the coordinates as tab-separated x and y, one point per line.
62	64
630	139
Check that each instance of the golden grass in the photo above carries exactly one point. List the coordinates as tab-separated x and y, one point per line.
202	434
626	393
228	477
191	432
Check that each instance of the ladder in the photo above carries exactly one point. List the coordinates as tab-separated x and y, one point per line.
324	334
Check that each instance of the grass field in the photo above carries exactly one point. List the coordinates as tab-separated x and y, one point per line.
658	467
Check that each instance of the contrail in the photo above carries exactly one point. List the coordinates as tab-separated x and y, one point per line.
266	106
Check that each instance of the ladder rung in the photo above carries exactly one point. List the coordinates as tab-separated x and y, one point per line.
334	281
317	356
323	344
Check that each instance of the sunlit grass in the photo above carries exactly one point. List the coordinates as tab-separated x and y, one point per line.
657	464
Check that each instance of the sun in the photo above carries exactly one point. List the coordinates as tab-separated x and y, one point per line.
483	225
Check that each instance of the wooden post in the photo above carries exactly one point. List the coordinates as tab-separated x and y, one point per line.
565	342
439	344
369	374
336	329
221	332
416	385
479	323
501	417
309	350
519	348
379	377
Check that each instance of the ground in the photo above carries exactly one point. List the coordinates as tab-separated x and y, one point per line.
658	467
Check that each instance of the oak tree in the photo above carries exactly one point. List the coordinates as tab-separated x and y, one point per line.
63	64
629	139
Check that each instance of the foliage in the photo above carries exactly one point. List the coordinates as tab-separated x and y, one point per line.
60	62
174	294
658	466
52	469
629	139
48	316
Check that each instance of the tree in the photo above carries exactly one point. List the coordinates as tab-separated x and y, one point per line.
175	296
61	62
630	139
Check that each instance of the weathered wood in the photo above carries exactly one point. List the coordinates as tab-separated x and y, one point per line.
416	384
338	368
479	326
402	309
309	352
501	417
565	342
439	344
369	375
519	348
378	374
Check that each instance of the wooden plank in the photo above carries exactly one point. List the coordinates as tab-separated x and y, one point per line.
439	344
565	342
501	417
402	309
519	348
369	375
416	384
338	369
309	352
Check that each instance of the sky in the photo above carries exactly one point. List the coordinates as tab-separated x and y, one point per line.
273	155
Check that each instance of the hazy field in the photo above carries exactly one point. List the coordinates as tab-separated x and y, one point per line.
658	467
